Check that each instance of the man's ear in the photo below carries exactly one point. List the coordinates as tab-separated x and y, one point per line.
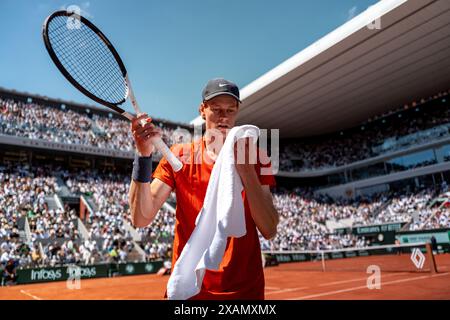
201	109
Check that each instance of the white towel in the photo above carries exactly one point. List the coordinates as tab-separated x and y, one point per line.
221	216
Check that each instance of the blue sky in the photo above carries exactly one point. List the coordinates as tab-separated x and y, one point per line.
171	47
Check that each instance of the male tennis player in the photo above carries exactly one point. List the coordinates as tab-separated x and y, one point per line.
240	274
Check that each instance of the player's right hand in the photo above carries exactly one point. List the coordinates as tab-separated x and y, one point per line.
143	131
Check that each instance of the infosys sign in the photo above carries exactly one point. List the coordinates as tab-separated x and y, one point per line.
46	274
85	272
61	273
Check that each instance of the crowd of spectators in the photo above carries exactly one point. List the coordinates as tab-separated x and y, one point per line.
399	130
22	197
157	238
109	223
303	219
436	215
55	239
403	207
304	216
35	121
111	219
22	254
420	209
53	224
33	235
22	194
440	219
404	128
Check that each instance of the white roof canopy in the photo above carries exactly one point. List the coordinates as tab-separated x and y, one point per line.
356	71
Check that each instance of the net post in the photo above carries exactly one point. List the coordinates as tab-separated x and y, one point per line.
322	257
431	258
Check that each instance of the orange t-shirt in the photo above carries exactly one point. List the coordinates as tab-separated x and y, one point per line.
240	274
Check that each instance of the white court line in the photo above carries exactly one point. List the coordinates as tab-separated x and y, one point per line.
30	295
358	279
273	288
325	284
286	290
365	287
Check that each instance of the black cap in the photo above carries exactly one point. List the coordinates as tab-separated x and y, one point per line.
218	86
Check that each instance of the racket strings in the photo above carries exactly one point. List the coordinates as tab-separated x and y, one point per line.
94	73
87	59
82	68
90	56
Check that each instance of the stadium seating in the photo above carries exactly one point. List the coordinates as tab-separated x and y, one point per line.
35	233
397	131
36	121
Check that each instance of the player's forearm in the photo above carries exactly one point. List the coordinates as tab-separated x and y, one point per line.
141	204
261	206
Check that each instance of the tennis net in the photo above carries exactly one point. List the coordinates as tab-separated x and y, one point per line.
416	257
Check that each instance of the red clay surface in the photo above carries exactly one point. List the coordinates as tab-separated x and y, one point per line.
286	281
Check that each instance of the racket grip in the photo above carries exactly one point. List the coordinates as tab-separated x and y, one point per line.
163	148
165	151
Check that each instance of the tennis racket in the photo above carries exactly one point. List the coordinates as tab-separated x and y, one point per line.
89	61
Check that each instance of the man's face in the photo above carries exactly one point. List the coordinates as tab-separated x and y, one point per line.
220	113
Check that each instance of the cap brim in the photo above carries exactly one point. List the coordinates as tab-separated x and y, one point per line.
221	93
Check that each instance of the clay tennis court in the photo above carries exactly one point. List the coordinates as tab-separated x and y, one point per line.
286	281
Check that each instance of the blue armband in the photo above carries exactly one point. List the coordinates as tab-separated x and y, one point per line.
142	169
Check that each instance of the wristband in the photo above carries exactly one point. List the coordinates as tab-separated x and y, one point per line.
142	169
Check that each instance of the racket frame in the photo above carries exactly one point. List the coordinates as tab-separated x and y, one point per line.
157	142
53	56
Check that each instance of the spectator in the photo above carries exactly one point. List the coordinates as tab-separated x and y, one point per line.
9	273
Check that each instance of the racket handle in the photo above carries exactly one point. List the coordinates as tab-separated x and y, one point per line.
165	151
127	115
163	148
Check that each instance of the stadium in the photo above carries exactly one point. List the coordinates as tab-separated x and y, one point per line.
362	175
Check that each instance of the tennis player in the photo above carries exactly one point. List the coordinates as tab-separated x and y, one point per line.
240	274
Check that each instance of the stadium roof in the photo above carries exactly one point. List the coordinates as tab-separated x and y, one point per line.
356	72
